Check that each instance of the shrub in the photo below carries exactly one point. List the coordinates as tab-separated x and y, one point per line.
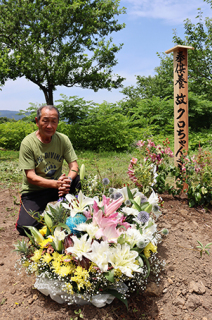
12	133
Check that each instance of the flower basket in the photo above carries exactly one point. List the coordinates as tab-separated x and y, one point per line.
92	250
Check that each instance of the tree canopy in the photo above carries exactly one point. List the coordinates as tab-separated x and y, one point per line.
60	42
199	36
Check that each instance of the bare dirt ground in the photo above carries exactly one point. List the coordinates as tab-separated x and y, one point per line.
184	292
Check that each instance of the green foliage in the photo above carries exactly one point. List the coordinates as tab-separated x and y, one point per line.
104	129
73	109
200	60
154	114
22	247
31	112
12	133
4	64
202	138
5	119
200	112
60	42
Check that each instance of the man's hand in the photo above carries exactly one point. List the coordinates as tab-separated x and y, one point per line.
64	184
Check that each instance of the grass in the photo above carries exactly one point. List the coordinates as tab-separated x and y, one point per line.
111	165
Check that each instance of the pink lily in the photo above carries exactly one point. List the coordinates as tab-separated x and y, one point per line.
112	207
109	233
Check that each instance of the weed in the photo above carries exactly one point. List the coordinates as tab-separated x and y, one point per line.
79	315
203	249
3	301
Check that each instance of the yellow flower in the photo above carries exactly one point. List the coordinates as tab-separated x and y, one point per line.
47	258
26	263
64	270
117	273
43	230
57	256
45	243
149	247
56	265
80	277
37	255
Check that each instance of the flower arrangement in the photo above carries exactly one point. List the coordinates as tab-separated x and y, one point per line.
150	168
91	250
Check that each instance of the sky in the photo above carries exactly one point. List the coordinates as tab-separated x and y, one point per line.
149	29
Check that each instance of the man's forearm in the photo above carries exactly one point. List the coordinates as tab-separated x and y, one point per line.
73	170
34	179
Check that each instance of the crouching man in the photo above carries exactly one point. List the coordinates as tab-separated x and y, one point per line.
41	157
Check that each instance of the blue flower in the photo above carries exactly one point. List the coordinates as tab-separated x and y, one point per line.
127	203
143	216
105	181
111	190
118	195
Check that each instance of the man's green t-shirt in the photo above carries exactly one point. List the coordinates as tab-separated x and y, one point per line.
45	158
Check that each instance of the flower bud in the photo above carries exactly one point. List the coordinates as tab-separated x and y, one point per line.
82	172
68	242
48	221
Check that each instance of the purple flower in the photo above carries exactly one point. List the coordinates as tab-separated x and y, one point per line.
118	195
143	216
61	199
105	181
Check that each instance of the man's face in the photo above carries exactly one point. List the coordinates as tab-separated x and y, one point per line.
48	122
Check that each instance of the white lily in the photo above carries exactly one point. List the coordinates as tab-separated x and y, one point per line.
90	228
149	230
77	205
130	211
81	246
133	236
99	254
153	199
122	258
154	174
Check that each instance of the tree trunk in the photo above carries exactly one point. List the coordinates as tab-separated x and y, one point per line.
48	93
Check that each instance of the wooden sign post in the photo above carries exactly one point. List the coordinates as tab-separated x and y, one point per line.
180	101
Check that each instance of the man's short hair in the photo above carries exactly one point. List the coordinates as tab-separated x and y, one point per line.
48	107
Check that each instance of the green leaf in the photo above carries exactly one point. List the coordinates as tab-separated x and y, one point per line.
208	245
200	243
130	196
147	264
30	237
109	275
136	205
64	226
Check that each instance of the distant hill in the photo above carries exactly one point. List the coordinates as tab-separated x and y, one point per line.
10	114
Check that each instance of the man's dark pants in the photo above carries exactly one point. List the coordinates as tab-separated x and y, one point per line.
37	202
